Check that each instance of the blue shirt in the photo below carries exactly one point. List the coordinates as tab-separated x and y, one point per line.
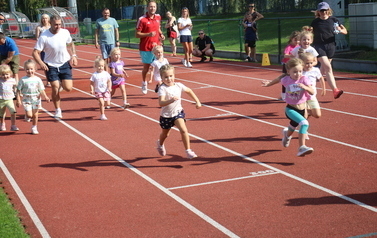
9	46
106	30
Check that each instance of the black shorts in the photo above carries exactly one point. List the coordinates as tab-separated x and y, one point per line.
326	50
59	73
250	43
168	122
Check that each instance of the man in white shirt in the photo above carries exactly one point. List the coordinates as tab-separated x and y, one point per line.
60	54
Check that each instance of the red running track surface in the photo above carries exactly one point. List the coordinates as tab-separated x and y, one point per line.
82	177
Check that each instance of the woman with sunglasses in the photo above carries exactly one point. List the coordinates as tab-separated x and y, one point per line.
325	26
185	27
254	14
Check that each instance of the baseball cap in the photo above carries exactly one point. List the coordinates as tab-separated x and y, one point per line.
323	5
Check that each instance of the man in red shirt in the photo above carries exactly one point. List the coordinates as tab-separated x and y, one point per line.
150	34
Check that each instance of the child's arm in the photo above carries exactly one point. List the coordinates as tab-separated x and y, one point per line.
308	88
162	101
91	87
109	84
18	96
125	73
112	72
193	96
268	83
45	96
323	85
151	71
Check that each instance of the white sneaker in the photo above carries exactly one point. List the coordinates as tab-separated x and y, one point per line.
144	89
286	140
103	117
107	107
126	105
14	128
27	119
161	148
190	154
304	150
189	65
58	113
3	127
34	131
184	62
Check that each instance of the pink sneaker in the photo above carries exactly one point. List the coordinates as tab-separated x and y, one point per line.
161	148
190	154
337	93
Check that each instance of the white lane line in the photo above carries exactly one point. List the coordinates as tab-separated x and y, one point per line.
147	178
351	200
42	230
223	180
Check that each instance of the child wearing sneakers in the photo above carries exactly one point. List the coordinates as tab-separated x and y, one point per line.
31	88
7	88
159	61
298	91
172	114
118	75
100	86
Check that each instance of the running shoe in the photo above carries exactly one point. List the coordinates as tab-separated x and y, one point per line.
304	150
184	62
161	148
337	93
286	140
34	131
144	89
3	127
126	105
58	113
103	117
189	65
190	154
14	128
203	59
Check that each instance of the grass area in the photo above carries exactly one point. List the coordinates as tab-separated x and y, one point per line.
227	33
10	224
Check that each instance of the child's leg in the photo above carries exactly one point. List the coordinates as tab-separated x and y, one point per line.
124	93
253	53
164	134
2	115
316	112
101	105
35	113
181	125
247	50
300	119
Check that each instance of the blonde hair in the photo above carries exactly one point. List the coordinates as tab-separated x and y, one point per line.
29	61
5	69
293	63
305	56
307	28
45	15
165	68
330	12
98	60
156	48
114	50
188	11
306	33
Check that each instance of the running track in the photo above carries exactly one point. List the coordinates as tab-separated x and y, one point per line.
82	177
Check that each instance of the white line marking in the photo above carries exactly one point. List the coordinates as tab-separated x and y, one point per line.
222	181
24	201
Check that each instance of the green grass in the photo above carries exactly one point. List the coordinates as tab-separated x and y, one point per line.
227	34
10	224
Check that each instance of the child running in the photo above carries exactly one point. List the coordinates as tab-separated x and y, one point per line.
306	39
298	91
31	88
172	114
100	85
118	75
7	89
159	61
314	74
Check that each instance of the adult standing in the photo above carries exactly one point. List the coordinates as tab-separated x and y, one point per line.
150	34
60	54
254	14
9	54
325	26
172	31
185	27
106	35
204	47
44	25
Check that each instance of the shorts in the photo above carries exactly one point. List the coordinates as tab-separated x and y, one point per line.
31	103
313	103
106	49
293	123
168	122
250	43
185	38
117	82
61	73
147	57
106	95
9	104
14	64
326	50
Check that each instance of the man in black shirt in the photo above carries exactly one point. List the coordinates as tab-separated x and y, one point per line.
204	47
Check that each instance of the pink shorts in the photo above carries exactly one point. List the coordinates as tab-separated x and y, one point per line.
106	95
114	86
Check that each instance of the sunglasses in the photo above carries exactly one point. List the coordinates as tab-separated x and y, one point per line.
323	10
201	33
251	6
2	19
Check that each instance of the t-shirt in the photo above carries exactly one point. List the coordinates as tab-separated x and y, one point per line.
313	75
175	107
118	67
288	51
250	33
6	88
323	30
295	95
100	81
201	43
106	30
310	49
9	46
55	47
156	64
184	22
30	86
145	24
